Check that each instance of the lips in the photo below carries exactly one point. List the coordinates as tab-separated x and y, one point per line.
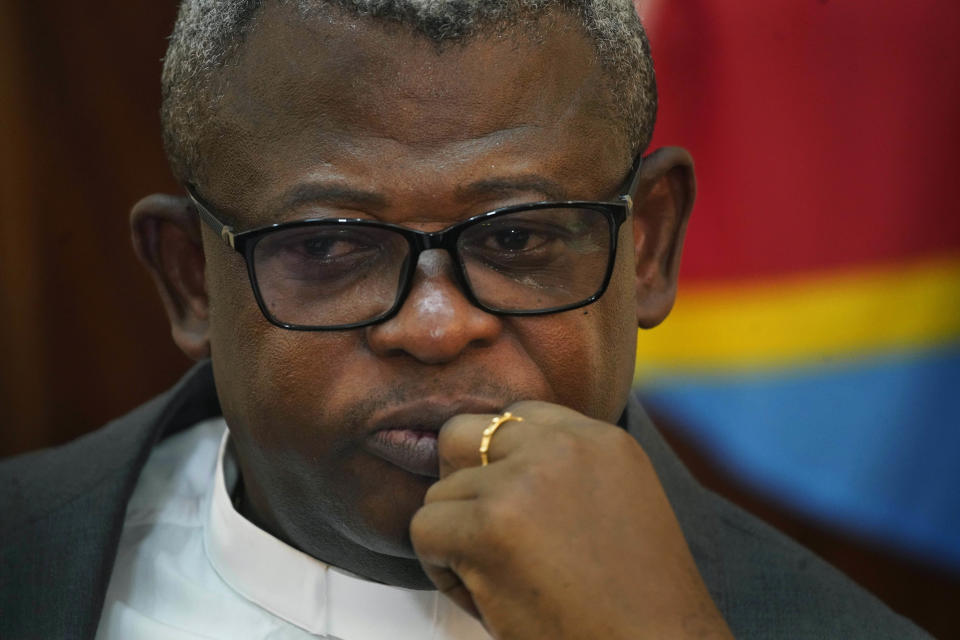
406	435
411	450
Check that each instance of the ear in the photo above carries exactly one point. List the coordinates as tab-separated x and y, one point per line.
166	238
662	204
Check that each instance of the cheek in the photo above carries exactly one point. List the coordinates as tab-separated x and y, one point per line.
264	374
587	355
619	334
234	328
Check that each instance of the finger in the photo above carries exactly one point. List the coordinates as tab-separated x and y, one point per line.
460	437
458	443
440	532
462	484
449	584
555	415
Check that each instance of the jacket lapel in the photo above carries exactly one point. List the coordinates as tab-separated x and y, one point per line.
63	512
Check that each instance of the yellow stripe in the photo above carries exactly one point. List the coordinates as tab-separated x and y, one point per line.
805	321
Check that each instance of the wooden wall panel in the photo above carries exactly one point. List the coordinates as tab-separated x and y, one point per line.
83	337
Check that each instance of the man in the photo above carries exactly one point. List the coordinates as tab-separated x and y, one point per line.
423	370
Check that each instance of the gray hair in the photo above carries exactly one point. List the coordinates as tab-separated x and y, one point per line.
209	33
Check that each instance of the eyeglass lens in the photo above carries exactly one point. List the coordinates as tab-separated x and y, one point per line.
538	259
338	274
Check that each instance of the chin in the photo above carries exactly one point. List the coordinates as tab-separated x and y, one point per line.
384	554
372	510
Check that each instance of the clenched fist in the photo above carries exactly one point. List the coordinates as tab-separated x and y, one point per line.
565	534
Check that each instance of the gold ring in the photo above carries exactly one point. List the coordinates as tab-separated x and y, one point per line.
495	423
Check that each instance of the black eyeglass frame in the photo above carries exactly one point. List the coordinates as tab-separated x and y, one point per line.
245	242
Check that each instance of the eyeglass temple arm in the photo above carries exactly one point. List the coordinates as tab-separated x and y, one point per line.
222	230
631	191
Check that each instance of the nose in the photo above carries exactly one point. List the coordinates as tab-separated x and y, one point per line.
436	322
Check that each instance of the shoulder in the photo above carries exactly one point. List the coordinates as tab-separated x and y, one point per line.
38	482
35	483
62	509
765	584
768	585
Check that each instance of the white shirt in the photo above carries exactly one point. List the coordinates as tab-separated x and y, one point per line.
190	566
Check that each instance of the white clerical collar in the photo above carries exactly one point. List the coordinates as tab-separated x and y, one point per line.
314	596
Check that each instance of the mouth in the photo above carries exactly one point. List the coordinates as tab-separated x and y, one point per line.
406	436
410	449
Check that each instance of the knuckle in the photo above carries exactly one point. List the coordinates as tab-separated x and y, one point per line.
496	519
434	493
528	409
454	436
503	531
568	446
446	456
615	438
453	427
420	527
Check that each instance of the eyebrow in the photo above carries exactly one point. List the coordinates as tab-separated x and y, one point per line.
330	193
506	186
344	195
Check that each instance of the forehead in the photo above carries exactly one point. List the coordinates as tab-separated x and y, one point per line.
369	103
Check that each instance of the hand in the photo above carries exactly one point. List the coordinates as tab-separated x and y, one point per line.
565	534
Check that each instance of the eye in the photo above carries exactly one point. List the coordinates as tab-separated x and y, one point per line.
330	247
319	253
516	244
519	236
512	239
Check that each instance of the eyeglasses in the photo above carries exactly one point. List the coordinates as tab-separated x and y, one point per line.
342	273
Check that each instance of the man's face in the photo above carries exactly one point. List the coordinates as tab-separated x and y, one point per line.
354	119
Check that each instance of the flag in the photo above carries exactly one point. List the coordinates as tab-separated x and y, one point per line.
814	349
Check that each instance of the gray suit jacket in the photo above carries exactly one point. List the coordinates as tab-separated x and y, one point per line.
62	510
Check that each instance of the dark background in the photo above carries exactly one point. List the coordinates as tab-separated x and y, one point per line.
84	338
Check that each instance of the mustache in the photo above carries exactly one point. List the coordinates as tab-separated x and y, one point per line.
477	389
